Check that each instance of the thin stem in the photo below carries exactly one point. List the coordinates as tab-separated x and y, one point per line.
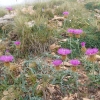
70	47
78	45
93	69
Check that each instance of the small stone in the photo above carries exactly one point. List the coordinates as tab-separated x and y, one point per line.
5	98
86	99
58	18
51	89
65	98
63	40
53	53
66	64
5	93
59	23
54	46
98	57
97	10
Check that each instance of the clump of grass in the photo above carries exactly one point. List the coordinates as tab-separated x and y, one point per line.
42	5
92	5
36	38
2	12
48	13
39	36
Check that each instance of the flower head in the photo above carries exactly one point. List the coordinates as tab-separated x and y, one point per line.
17	43
78	31
65	13
70	30
64	51
9	8
6	58
57	62
91	51
74	62
83	44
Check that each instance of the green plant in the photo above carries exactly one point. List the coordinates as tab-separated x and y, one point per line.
92	5
72	44
2	12
36	38
91	39
94	81
67	81
48	13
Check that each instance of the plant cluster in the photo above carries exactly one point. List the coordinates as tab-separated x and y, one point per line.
36	77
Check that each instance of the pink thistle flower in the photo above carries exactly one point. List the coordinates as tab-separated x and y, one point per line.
70	30
9	8
6	58
91	51
75	62
83	44
95	50
78	31
17	43
63	51
57	62
65	13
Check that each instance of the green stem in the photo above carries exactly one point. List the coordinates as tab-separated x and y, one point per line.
93	70
70	47
78	45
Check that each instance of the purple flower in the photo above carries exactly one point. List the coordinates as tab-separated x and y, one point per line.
91	51
74	62
9	8
6	58
63	51
95	50
70	30
17	43
65	13
78	31
57	62
83	44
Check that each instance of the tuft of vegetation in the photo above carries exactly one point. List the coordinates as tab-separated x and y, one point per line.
2	12
32	74
92	5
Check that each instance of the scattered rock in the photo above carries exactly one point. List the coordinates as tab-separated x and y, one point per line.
6	19
58	18
65	98
98	95
51	88
54	46
5	92
97	17
28	10
86	99
67	64
71	97
63	40
97	10
5	98
53	54
59	23
98	57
